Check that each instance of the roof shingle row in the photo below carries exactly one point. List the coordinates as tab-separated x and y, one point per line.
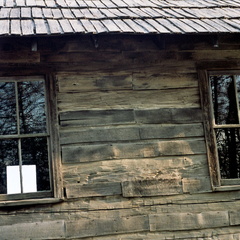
118	3
47	17
94	13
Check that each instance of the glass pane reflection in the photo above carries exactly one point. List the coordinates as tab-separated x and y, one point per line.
35	152
8	122
238	89
228	145
8	157
224	99
31	102
22	111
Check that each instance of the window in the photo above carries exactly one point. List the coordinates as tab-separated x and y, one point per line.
27	153
220	100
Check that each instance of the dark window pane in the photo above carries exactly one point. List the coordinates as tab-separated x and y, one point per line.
8	157
238	88
31	102
228	146
8	122
224	99
35	152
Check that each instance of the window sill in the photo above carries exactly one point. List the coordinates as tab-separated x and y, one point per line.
29	202
227	188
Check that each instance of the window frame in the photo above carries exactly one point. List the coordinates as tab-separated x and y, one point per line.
217	183
55	194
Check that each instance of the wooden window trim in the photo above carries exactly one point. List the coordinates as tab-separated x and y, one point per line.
218	184
25	202
55	194
57	184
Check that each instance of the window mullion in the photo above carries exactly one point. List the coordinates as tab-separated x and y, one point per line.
17	109
212	117
19	139
48	129
16	136
20	163
236	94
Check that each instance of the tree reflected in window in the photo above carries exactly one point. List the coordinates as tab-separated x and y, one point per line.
35	152
31	107
8	157
23	131
8	117
225	101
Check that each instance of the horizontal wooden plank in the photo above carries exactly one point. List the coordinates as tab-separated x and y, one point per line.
34	230
96	117
110	43
19	57
194	203
103	134
132	169
208	55
106	226
196	207
121	116
152	80
178	98
234	217
169	115
156	187
201	234
118	60
98	152
22	78
171	131
93	190
88	82
186	221
196	184
128	133
83	57
153	44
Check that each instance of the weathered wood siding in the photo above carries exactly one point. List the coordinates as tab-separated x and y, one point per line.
134	160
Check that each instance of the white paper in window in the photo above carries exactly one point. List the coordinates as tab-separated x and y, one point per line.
29	179
13	180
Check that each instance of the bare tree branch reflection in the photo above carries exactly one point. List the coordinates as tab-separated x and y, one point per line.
226	112
22	111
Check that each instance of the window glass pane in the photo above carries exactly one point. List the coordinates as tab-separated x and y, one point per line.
8	157
228	145
35	152
224	99
31	102
238	88
8	122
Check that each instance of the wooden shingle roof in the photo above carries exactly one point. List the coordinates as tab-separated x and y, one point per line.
56	17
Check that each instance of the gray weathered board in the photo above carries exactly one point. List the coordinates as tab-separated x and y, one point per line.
133	155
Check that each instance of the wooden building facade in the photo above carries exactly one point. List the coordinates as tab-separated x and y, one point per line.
130	128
